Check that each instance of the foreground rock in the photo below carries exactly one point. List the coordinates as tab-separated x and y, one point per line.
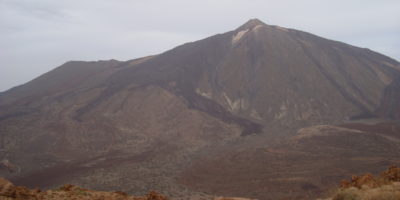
9	191
386	186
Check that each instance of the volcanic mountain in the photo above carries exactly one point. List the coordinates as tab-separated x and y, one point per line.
252	112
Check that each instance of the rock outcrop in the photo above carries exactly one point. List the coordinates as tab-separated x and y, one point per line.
8	192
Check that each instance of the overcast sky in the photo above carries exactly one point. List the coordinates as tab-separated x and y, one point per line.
39	35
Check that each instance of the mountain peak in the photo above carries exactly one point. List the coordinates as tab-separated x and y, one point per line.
251	24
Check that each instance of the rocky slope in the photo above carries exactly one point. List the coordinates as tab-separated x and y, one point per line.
305	166
169	118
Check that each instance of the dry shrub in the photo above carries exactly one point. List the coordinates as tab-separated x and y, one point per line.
6	188
124	194
368	180
367	187
351	193
155	196
360	181
386	192
392	174
67	187
231	198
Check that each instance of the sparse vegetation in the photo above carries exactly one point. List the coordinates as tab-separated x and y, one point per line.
367	187
8	192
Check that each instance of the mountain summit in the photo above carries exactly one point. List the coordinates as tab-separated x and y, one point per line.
227	97
252	23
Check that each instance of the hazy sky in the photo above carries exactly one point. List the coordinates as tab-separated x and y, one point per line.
39	35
